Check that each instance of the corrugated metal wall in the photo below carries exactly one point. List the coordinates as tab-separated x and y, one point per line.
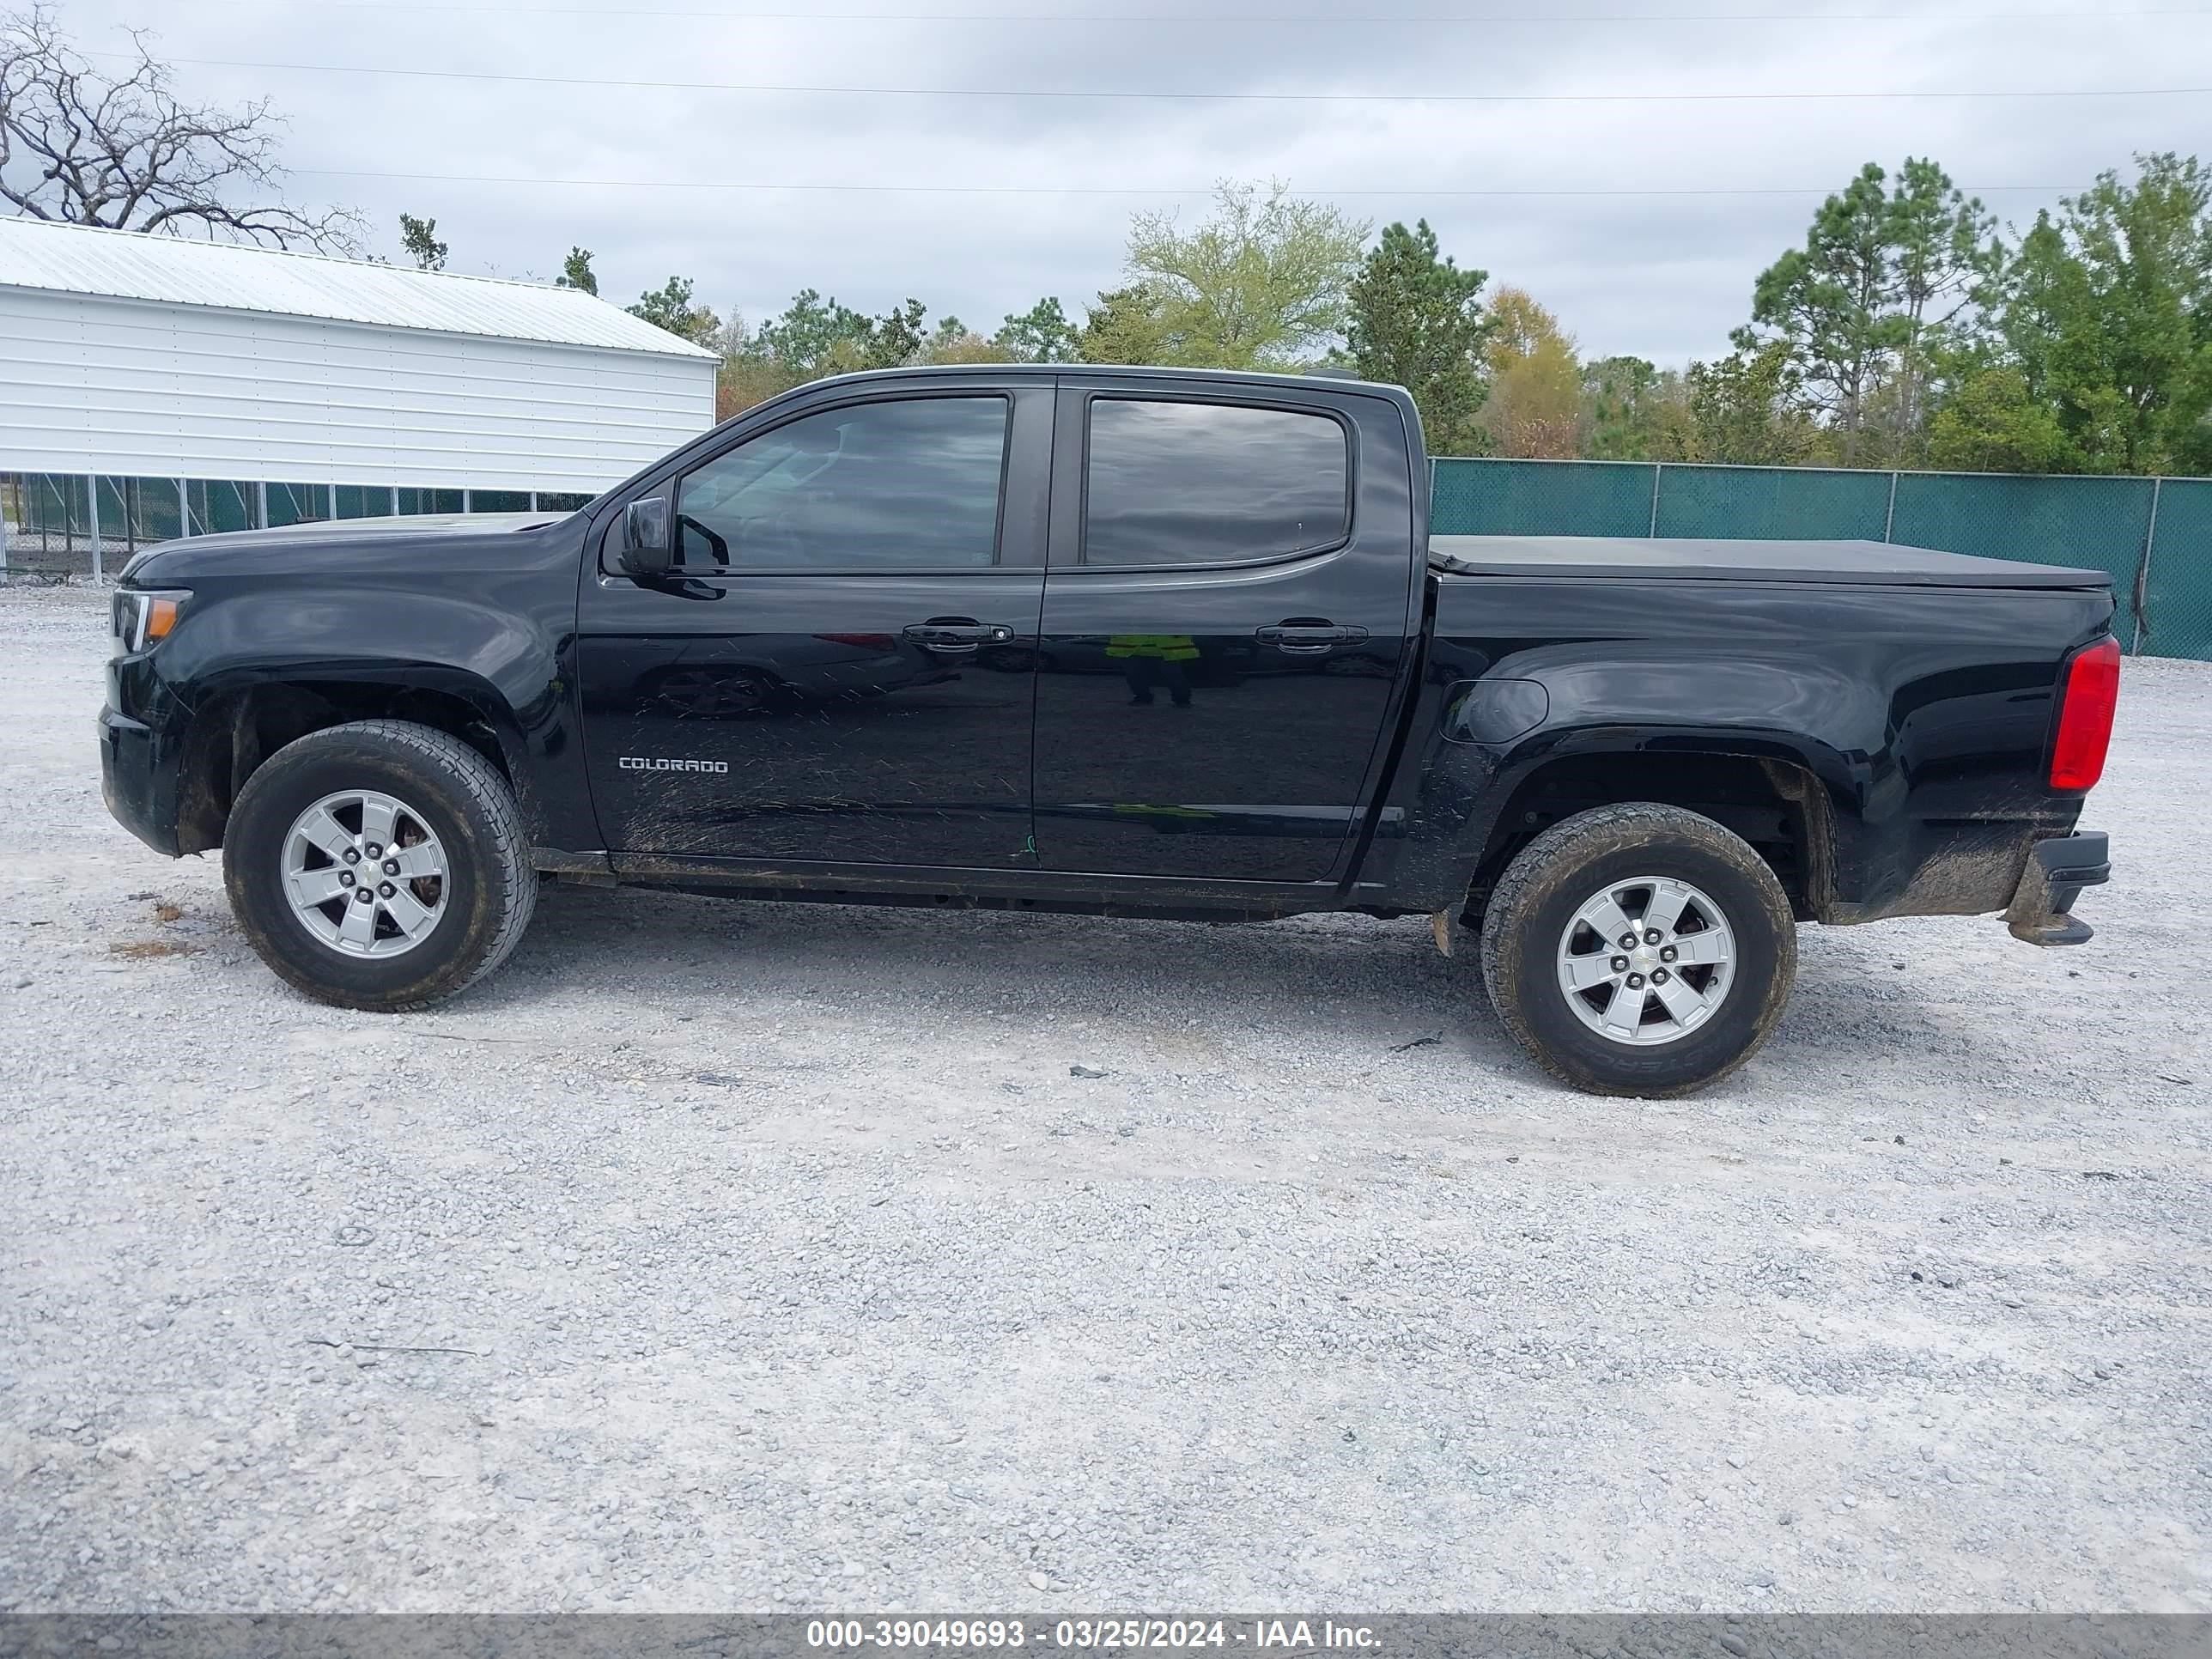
128	387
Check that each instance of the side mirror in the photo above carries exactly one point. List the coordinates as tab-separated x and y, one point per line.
646	550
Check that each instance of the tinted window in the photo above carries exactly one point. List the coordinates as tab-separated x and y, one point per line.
872	487
1207	483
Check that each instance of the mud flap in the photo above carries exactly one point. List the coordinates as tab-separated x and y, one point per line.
2058	870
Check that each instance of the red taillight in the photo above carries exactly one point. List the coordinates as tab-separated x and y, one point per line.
2085	716
860	642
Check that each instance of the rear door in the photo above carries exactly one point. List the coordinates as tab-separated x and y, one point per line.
838	671
1228	606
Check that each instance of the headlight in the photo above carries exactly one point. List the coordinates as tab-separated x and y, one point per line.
143	616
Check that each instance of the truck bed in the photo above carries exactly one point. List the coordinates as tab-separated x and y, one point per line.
1877	564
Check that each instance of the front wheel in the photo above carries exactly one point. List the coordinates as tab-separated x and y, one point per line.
1639	949
379	865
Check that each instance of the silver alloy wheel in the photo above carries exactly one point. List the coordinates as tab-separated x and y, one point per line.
1646	960
365	874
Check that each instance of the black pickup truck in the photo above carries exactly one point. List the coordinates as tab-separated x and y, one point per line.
1130	643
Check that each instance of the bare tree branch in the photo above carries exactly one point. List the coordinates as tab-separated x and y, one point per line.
126	153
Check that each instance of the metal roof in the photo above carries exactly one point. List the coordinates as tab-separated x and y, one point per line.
38	254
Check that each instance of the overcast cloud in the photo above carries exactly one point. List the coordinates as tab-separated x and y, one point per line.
1661	277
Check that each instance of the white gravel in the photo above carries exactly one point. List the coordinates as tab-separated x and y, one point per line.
793	1267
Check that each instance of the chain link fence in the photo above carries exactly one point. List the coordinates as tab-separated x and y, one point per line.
59	527
2153	537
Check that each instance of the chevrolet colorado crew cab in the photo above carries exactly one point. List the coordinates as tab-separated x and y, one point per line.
1134	642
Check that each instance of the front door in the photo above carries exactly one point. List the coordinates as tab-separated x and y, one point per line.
838	669
1229	605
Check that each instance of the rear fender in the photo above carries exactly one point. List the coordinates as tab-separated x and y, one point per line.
1796	721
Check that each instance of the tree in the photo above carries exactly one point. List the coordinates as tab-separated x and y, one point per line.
418	239
803	336
953	342
1623	400
2045	289
816	337
87	148
1130	325
1944	259
749	373
1994	422
669	307
1259	285
1041	334
964	345
1534	405
1416	320
1518	324
897	336
576	271
1746	410
1883	279
2109	316
1535	385
1824	303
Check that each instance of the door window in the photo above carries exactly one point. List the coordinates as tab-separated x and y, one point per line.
906	485
1211	484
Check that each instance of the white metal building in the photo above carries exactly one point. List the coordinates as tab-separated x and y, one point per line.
151	386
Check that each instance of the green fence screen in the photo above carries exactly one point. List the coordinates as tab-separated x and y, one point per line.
2177	584
2153	537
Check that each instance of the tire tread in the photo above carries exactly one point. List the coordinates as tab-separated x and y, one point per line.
1556	856
512	874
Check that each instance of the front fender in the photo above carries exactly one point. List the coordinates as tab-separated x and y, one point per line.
498	661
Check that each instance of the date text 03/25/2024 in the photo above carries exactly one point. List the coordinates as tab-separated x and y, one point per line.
956	1634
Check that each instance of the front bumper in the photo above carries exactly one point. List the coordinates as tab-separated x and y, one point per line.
139	789
2058	870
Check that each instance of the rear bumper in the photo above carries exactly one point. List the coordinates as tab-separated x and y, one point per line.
139	789
2058	870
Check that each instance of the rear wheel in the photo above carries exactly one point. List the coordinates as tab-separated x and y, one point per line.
1639	949
379	865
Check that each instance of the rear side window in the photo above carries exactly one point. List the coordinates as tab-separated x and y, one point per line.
1211	484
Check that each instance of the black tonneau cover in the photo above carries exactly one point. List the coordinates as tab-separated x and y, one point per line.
1877	564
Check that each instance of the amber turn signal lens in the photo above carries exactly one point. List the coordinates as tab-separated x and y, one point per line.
144	618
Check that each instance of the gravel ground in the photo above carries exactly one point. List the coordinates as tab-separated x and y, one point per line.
725	1256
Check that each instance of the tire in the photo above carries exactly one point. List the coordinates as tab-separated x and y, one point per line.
1712	989
454	813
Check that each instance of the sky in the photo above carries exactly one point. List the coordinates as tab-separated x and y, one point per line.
888	188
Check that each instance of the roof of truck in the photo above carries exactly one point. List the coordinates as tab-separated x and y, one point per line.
1324	379
1880	563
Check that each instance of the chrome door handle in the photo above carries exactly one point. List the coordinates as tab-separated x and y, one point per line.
956	634
1309	639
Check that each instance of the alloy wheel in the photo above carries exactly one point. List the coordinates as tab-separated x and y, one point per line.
1646	960
365	874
